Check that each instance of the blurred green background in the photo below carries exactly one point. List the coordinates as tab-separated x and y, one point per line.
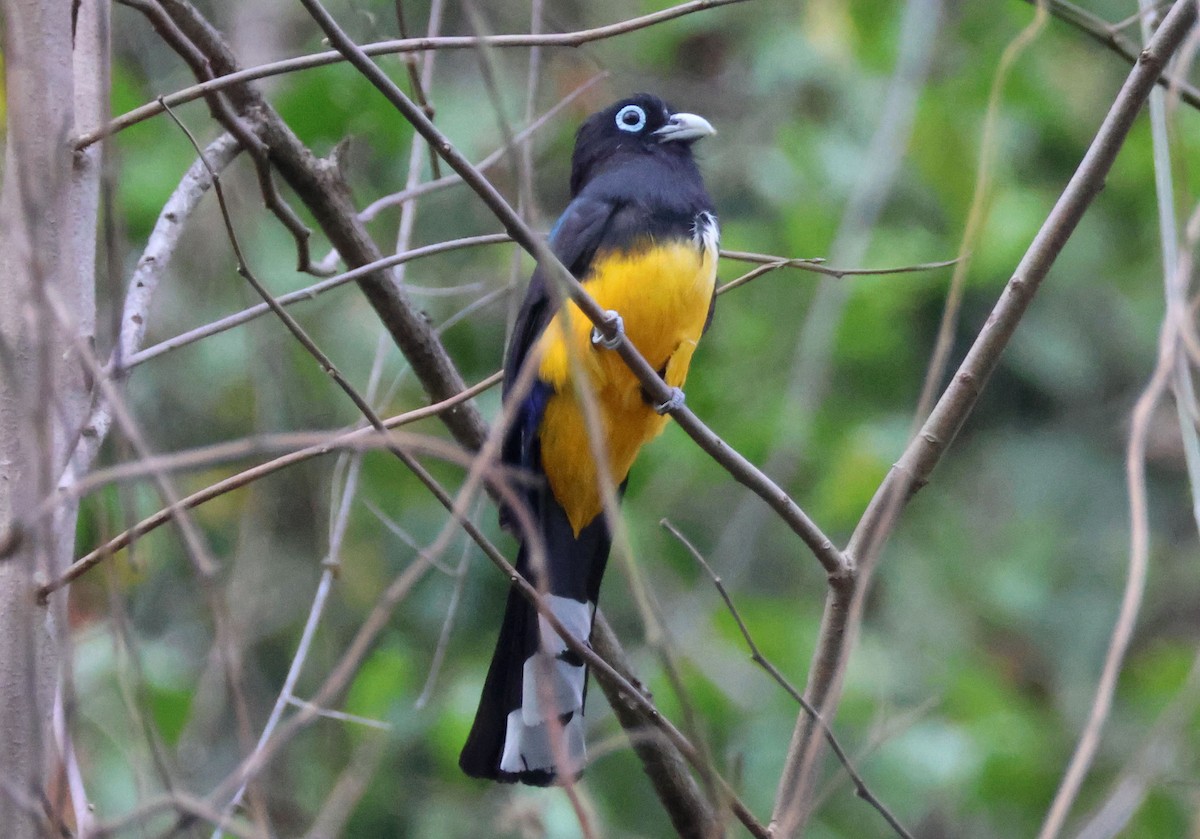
989	617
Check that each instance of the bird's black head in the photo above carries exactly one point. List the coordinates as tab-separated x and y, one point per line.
640	125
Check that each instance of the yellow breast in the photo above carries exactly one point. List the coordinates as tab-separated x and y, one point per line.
663	293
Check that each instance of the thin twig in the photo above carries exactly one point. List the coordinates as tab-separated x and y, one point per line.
174	37
188	807
330	567
1172	368
340	716
355	778
1110	36
665	766
122	540
306	62
408	194
308	293
976	216
928	447
860	786
1162	746
420	79
439	651
1131	599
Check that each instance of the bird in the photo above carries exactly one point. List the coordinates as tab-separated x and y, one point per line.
641	235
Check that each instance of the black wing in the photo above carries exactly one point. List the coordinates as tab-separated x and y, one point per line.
574	240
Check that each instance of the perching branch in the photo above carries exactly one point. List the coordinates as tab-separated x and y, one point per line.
656	389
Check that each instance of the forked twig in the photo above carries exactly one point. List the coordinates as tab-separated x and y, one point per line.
927	448
860	786
1111	36
223	113
306	62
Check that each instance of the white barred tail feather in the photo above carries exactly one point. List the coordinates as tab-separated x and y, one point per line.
528	695
554	678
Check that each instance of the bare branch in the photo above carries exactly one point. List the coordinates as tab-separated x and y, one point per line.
685	803
309	293
927	448
231	77
320	186
143	283
1110	35
410	193
1173	367
1162	746
241	479
860	786
768	263
976	215
1131	599
177	40
350	787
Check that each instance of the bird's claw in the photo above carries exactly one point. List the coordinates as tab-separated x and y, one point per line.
673	404
614	320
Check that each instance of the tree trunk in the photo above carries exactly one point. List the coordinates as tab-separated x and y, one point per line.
56	86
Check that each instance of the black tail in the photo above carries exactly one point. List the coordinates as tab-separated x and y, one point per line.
512	737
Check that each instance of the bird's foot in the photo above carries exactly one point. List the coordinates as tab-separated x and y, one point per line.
615	322
673	404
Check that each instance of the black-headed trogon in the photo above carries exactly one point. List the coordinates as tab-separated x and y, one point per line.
641	235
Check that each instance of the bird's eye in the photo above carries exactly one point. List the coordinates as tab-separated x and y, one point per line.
631	118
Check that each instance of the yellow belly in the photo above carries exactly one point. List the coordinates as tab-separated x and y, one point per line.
663	293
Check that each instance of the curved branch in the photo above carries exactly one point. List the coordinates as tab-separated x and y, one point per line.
320	186
403	45
925	451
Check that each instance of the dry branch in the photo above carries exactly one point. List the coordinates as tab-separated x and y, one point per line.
1100	30
326	446
320	186
402	46
685	803
844	603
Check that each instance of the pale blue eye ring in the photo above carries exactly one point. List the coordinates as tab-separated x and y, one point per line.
631	118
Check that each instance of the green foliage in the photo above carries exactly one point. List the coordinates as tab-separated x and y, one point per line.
988	620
